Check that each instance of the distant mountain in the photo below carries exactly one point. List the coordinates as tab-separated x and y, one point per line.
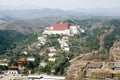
28	21
101	11
30	25
4	19
46	12
37	13
31	14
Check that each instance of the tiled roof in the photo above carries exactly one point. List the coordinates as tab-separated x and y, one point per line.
13	67
60	26
22	59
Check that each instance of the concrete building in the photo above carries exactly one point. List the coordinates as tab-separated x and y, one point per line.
52	59
51	54
31	59
3	63
73	30
42	40
43	64
51	49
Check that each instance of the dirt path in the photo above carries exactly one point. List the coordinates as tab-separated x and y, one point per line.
102	39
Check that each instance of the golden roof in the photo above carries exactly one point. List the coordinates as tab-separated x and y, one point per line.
22	60
13	67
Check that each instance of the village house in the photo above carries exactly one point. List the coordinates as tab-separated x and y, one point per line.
51	49
25	52
66	48
82	65
43	64
102	70
3	62
114	66
42	52
106	73
81	29
91	66
41	40
94	65
73	29
52	57
115	51
64	44
102	74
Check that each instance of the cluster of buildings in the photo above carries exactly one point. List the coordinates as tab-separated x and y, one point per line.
115	51
64	43
51	56
97	70
100	70
62	29
41	40
4	62
21	65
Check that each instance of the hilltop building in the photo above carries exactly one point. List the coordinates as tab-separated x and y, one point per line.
61	28
73	30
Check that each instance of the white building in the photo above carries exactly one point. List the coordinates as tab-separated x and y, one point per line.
3	63
73	29
25	52
42	40
31	59
51	54
51	49
43	64
64	32
52	59
44	77
66	49
12	72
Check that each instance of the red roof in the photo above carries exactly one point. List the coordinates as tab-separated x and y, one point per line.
60	26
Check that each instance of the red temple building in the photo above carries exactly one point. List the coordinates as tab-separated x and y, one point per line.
60	27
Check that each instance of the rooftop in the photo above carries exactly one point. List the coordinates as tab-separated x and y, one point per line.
60	26
22	60
13	67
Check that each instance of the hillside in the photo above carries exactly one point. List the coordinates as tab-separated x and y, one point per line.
92	45
28	26
5	19
45	12
9	39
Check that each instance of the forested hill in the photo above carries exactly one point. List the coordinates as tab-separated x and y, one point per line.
114	35
9	39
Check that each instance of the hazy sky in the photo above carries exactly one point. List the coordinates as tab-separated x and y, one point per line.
60	4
